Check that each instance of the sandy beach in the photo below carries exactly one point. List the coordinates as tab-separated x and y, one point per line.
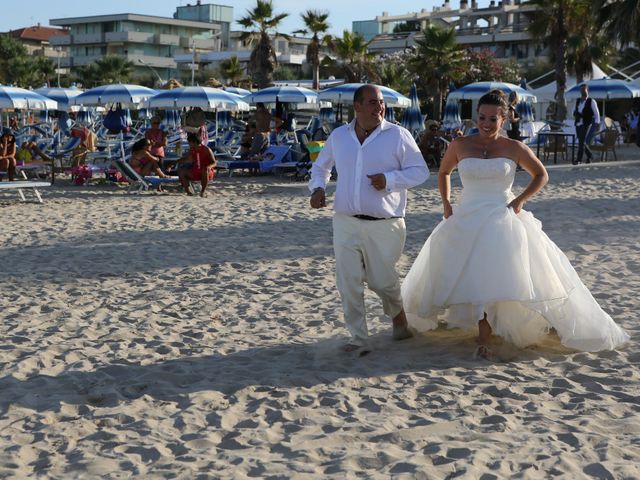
166	336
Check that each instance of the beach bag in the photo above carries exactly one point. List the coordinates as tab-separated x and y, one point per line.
81	174
116	120
193	120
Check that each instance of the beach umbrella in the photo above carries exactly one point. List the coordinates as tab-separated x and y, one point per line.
84	116
605	89
412	118
327	114
451	118
206	98
525	111
61	95
474	91
344	94
14	97
389	114
237	90
124	94
171	119
283	95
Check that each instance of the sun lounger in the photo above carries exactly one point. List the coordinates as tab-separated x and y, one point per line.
25	185
138	183
272	156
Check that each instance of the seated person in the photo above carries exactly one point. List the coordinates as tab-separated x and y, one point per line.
430	144
197	164
158	139
247	139
87	144
259	144
322	133
142	161
8	153
30	150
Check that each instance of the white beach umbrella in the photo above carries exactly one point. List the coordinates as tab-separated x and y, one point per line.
474	91
343	94
283	95
206	98
63	96
14	97
127	95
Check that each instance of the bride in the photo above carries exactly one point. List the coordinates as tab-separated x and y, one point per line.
488	263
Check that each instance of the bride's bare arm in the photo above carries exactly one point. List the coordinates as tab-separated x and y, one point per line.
447	165
539	177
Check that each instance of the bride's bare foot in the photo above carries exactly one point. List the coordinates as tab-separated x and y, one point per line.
484	335
483	351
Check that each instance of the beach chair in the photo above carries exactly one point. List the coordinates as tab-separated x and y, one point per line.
21	186
138	183
609	137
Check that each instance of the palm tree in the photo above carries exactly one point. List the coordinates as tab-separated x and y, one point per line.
263	59
114	69
232	70
620	19
551	24
353	52
437	61
587	42
316	23
44	69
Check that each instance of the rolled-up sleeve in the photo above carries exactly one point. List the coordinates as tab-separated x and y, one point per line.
413	170
321	168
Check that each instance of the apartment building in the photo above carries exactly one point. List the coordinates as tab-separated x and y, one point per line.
150	42
501	27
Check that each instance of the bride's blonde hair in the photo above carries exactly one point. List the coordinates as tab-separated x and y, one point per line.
496	98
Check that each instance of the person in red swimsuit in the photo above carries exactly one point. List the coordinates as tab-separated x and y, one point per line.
196	165
158	139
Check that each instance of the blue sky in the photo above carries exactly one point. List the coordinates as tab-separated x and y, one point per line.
341	12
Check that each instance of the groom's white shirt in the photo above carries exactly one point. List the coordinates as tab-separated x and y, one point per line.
389	149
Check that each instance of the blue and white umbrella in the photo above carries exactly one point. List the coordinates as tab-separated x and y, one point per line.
525	111
451	118
344	94
84	116
475	90
237	90
327	114
206	98
283	95
14	97
126	95
61	95
171	119
390	114
412	118
606	89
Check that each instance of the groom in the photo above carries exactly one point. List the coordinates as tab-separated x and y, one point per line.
376	162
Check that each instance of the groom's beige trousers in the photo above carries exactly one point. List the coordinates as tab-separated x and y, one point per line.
367	251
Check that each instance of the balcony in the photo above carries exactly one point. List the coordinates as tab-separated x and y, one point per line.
166	39
291	58
129	37
60	40
79	60
210	57
208	44
88	38
152	61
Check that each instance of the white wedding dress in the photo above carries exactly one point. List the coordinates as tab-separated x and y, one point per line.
485	258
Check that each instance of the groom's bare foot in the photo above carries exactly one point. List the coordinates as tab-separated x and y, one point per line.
401	327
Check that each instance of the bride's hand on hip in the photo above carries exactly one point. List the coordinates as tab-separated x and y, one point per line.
448	210
516	204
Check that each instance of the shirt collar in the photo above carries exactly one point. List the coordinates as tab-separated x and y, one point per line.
383	126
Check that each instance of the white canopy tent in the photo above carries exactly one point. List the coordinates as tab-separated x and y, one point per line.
547	92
